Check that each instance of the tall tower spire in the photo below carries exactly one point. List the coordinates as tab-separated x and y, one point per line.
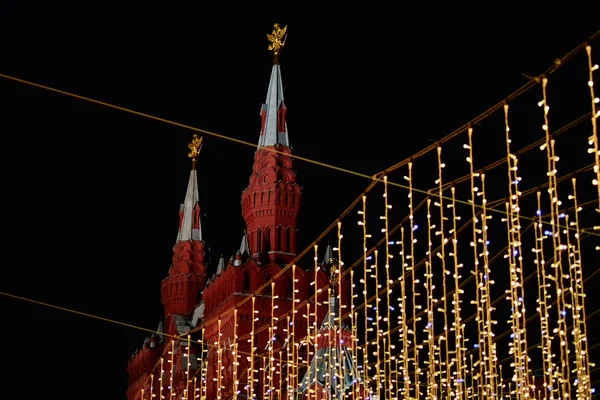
273	111
271	202
180	290
189	213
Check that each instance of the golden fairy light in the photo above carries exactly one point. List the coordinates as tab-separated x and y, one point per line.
187	367
563	373
270	344
583	388
315	327
389	356
414	281
142	393
219	377
292	352
203	366
593	140
252	339
172	369
457	325
377	351
235	356
308	343
364	281
152	395
486	375
513	227
404	338
548	365
490	355
161	378
445	374
340	364
432	388
195	388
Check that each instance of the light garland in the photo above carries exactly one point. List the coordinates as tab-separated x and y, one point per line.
152	395
219	361
272	336
414	282
204	367
548	365
403	391
172	369
235	356
583	388
513	227
252	350
490	346
479	293
445	363
432	386
187	368
378	378
364	280
389	356
564	377
161	378
340	364
593	140
457	325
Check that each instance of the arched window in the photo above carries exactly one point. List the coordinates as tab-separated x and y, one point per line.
247	282
268	239
259	240
290	240
280	239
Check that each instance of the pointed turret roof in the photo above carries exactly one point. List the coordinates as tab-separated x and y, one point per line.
189	225
334	341
221	265
244	246
274	126
328	257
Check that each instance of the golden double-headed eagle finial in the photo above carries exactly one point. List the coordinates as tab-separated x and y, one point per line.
195	145
277	38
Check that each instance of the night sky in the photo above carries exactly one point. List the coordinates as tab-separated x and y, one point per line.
91	194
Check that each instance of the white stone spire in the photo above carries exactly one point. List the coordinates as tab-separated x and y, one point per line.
244	246
189	213
221	265
273	113
327	259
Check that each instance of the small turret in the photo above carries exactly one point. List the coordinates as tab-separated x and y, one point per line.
271	202
180	291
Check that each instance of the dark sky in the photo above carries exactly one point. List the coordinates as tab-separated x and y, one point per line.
91	194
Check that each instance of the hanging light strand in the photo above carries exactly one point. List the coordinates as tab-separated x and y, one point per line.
404	358
457	325
219	361
235	356
389	355
583	389
187	368
593	140
563	374
432	386
542	309
252	340
365	258
480	364
414	281
340	351
445	374
490	345
518	321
